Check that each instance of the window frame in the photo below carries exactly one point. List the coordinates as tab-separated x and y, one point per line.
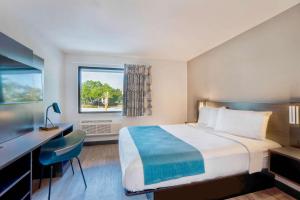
79	87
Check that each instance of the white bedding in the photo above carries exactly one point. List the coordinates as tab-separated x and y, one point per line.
223	154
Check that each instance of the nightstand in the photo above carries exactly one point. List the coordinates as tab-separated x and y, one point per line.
285	162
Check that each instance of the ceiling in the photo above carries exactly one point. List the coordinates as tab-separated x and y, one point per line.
160	29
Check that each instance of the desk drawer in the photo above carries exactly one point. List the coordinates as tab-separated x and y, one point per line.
285	166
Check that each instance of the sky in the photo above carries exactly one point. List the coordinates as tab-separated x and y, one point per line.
26	76
31	80
113	79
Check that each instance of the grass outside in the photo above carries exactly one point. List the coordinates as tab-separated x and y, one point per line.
95	106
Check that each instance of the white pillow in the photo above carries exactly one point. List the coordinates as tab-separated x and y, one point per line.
208	116
248	124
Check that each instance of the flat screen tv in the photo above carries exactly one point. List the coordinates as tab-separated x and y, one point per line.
21	96
19	83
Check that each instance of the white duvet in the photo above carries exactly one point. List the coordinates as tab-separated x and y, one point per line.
223	154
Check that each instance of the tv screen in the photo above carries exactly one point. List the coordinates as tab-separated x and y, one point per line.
21	95
19	83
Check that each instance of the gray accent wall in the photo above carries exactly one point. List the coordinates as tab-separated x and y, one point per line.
260	65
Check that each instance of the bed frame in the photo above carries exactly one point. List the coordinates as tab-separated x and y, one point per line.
231	186
220	188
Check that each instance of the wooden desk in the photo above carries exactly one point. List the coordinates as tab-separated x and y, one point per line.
16	161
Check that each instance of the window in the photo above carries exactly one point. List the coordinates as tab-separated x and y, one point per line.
100	89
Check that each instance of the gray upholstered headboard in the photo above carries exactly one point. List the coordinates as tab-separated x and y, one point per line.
278	128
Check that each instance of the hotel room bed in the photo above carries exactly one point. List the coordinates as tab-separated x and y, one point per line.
223	154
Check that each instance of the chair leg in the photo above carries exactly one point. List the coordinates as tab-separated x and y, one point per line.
50	181
41	176
81	172
71	161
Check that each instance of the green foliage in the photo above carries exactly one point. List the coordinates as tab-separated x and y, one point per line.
92	93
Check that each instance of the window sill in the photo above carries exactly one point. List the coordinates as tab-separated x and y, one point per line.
100	112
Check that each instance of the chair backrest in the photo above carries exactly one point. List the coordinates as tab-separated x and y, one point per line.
77	135
73	141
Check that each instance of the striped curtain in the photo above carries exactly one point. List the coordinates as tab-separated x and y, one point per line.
137	90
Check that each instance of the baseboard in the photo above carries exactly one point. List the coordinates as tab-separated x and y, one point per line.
91	143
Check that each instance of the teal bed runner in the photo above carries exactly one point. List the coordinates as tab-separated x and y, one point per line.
165	156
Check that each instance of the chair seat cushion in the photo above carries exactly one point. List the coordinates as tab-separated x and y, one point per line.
50	157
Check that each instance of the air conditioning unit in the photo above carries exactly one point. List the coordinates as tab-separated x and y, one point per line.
100	130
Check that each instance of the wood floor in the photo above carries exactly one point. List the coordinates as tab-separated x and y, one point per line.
103	175
269	194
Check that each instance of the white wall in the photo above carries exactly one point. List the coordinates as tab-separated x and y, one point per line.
169	89
53	67
262	64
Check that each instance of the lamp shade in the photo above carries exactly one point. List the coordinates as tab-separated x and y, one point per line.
202	103
56	108
294	111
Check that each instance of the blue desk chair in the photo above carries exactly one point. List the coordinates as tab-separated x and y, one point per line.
62	149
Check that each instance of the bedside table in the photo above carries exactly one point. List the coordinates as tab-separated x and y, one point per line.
285	162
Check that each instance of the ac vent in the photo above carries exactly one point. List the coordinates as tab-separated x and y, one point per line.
95	121
100	127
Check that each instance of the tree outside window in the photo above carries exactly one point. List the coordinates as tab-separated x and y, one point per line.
100	89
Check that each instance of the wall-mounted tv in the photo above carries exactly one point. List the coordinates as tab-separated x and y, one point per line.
21	89
21	98
19	83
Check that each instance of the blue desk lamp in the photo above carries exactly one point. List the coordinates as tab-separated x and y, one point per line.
56	109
